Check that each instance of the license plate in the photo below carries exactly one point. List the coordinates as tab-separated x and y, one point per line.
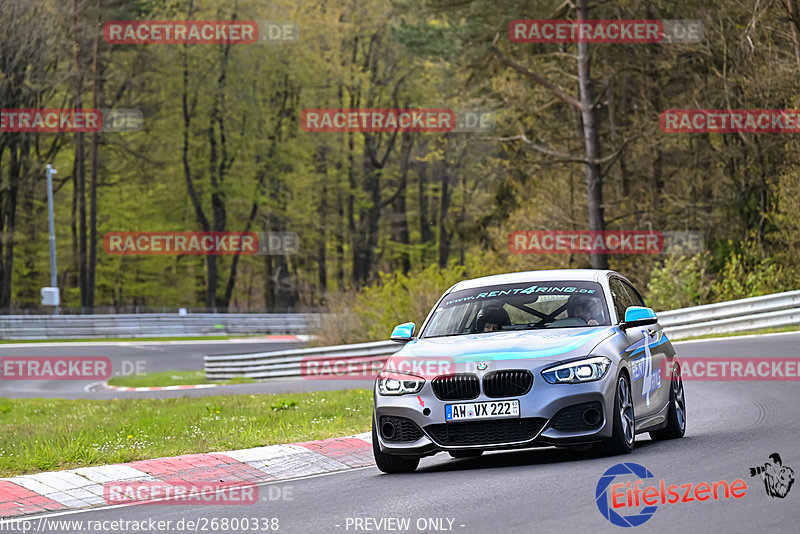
481	410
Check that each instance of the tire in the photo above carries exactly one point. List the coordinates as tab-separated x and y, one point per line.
390	463
676	416
624	421
467	453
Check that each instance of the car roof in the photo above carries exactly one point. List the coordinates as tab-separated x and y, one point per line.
583	275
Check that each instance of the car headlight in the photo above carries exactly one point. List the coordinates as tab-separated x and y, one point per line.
399	384
579	371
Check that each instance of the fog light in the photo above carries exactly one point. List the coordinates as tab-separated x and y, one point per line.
387	430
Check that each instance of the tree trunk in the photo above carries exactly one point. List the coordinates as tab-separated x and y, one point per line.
321	168
656	187
592	173
794	22
355	247
426	235
217	170
97	89
10	218
322	267
369	217
80	162
3	286
73	221
399	223
622	171
340	241
444	207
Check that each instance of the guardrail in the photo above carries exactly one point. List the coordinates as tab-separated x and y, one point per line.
292	363
768	311
151	325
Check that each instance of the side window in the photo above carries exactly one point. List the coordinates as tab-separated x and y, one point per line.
634	295
620	297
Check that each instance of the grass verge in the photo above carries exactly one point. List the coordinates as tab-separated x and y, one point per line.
793	328
171	378
50	434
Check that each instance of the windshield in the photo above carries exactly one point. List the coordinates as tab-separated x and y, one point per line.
522	306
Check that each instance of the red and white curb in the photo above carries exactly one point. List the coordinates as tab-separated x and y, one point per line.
83	487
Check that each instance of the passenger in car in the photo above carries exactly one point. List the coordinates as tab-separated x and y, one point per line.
491	319
582	307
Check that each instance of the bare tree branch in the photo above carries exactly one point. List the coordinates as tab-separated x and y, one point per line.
562	156
572	101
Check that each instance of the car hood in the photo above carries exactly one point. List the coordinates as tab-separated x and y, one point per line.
545	345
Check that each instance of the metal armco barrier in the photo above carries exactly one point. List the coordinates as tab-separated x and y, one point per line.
151	325
768	311
288	363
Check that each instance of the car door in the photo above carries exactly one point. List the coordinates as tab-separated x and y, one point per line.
643	369
661	351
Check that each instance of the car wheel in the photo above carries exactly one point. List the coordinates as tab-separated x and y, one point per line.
676	416
624	421
390	463
468	453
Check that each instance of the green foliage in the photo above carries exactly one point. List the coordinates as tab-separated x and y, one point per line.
283	404
449	196
681	281
372	313
744	277
399	298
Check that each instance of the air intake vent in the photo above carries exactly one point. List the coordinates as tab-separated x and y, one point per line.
456	387
399	429
579	418
507	383
486	432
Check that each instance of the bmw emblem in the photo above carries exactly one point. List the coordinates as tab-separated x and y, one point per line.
482	366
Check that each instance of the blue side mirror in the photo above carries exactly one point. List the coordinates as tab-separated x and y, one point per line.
639	316
403	332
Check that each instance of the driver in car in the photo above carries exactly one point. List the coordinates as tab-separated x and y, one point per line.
491	319
582	307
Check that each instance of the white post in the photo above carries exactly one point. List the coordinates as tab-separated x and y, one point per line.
53	281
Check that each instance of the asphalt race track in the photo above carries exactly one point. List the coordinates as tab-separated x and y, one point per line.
149	357
732	426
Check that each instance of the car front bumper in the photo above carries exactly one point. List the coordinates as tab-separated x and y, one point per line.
542	407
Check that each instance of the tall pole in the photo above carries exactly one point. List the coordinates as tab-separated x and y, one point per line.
53	282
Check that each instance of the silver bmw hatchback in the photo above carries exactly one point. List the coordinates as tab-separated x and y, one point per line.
568	358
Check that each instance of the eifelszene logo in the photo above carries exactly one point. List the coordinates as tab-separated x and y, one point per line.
778	478
615	498
601	495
